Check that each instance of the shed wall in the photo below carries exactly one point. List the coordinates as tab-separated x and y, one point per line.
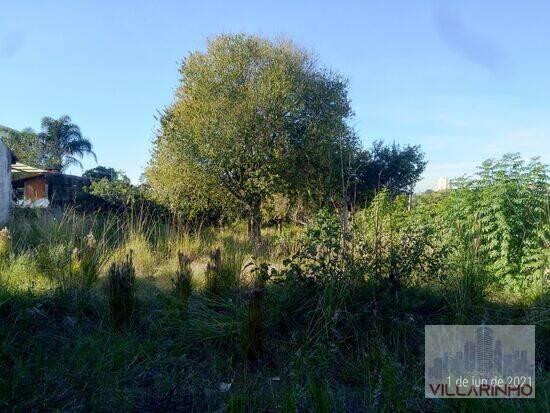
5	185
35	188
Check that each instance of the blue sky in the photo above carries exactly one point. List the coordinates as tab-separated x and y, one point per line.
467	80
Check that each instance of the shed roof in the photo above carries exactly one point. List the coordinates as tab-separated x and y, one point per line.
20	167
56	177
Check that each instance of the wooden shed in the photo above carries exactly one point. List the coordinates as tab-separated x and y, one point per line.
49	189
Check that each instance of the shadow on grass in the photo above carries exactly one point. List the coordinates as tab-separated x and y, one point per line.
59	351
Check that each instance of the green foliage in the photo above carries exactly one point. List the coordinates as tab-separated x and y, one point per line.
330	335
490	229
143	258
54	260
117	191
320	397
26	146
504	209
100	172
276	209
394	168
253	117
86	263
400	245
255	328
59	145
63	143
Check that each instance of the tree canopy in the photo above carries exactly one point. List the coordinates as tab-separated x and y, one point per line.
100	172
251	118
59	145
393	167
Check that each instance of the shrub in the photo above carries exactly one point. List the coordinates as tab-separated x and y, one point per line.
506	207
399	245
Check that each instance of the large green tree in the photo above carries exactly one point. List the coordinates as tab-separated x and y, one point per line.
252	117
58	145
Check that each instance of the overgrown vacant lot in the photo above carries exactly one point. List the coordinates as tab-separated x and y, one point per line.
103	312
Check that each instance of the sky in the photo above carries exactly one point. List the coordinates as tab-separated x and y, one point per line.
466	80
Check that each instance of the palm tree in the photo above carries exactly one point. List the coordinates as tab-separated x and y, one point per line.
63	143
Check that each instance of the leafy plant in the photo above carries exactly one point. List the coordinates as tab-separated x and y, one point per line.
507	207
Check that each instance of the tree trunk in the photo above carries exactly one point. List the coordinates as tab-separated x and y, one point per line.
254	221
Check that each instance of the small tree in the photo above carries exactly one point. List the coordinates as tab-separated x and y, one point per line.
253	117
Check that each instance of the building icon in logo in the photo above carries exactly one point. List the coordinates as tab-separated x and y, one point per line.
484	350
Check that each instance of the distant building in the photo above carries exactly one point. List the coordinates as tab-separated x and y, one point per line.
443	183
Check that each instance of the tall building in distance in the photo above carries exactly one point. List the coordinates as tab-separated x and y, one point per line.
484	350
443	183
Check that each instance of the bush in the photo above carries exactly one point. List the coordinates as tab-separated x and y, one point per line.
506	210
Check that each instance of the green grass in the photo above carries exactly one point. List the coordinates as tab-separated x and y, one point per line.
337	345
